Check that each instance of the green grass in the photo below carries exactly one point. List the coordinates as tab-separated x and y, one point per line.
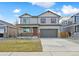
20	45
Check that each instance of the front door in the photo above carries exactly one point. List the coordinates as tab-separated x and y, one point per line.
35	31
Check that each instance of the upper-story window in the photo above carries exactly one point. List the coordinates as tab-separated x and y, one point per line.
65	22
43	20
26	20
77	19
53	20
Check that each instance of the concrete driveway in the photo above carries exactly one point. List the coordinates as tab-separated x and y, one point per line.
57	44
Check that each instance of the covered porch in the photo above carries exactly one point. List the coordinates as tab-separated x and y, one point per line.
28	32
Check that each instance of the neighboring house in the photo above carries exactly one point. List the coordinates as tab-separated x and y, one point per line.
75	24
72	25
7	29
65	22
45	25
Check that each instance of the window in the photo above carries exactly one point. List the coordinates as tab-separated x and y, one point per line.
26	20
43	20
69	22
77	18
65	22
26	30
77	28
53	20
1	29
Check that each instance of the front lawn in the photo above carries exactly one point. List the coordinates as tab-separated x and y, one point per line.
20	45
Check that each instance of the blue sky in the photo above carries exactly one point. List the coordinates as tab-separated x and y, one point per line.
9	11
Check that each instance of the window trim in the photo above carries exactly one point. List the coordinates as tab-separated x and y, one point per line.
26	20
26	29
52	20
76	18
43	20
76	28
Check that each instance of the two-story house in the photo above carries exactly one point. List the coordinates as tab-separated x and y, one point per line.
45	25
72	24
65	22
75	24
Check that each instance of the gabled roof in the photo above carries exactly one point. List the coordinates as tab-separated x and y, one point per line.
40	14
24	14
6	23
64	18
50	12
34	16
75	14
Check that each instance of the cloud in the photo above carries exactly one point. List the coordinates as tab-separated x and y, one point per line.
44	4
16	10
68	9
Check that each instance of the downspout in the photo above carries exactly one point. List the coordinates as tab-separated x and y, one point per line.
7	32
4	33
75	23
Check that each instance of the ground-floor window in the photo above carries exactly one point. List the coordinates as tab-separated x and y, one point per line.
26	29
1	29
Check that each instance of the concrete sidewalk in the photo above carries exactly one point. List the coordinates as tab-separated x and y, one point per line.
61	53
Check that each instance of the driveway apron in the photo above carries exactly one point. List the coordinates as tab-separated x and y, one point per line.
57	44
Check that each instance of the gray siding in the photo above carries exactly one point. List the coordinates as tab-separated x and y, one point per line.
37	20
33	20
48	20
74	20
30	21
48	14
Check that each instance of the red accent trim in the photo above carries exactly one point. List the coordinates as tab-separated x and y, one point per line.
35	31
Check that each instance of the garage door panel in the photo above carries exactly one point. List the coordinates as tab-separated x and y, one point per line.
48	33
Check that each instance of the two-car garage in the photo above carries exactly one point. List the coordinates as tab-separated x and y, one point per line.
48	33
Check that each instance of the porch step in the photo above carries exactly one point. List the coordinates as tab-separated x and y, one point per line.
27	37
